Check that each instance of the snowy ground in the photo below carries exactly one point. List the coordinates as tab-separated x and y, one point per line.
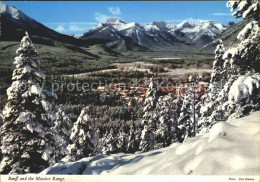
228	149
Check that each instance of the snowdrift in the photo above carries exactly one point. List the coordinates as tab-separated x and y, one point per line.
228	149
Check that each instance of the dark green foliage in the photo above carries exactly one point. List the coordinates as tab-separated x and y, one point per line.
115	126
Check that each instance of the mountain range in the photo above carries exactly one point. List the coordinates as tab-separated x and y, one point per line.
155	35
114	33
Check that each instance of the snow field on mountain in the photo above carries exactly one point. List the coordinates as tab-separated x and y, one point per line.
154	32
10	10
228	149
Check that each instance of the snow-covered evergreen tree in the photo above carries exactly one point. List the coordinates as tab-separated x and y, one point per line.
168	111
110	142
1	118
147	139
245	57
102	145
122	141
217	74
83	137
208	102
28	142
150	118
245	9
187	122
133	139
240	94
1	123
63	126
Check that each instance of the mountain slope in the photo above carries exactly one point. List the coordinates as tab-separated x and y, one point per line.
116	33
107	33
200	32
156	35
14	23
59	59
103	50
229	36
125	45
59	53
228	149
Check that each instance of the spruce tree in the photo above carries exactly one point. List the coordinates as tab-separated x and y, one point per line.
208	101
187	122
149	120
63	126
83	137
28	142
240	93
168	113
1	123
1	118
103	144
121	141
111	142
133	139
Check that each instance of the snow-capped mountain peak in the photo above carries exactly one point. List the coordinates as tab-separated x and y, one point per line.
184	24
201	31
116	23
163	24
15	23
113	21
157	34
132	25
10	10
160	25
192	23
199	24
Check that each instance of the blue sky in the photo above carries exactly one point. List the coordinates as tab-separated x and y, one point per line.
76	17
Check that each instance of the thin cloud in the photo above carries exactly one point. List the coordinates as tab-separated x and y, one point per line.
75	28
221	14
182	20
101	17
114	10
71	23
176	20
70	27
60	28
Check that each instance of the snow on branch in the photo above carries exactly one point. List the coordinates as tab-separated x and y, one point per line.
244	87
